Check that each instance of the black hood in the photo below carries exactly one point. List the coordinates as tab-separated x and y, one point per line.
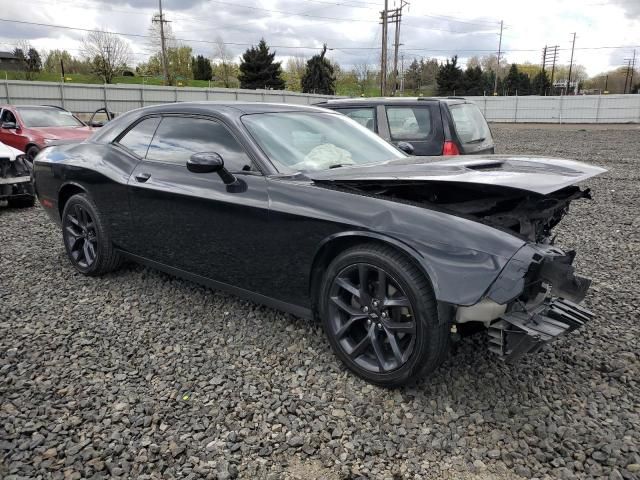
541	175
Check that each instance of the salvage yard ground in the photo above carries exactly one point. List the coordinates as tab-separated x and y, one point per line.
141	375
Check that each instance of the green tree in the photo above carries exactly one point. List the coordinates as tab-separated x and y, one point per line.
319	76
201	68
34	63
472	81
449	77
52	62
488	82
412	77
540	83
259	70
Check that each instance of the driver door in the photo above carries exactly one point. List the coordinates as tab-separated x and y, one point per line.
193	221
11	136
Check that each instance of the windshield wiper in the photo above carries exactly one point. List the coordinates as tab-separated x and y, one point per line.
477	140
339	165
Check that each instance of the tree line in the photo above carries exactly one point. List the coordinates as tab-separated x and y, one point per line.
107	56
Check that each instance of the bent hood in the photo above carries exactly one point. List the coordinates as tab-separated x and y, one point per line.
541	175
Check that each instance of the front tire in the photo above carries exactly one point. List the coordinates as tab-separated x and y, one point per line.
379	313
86	237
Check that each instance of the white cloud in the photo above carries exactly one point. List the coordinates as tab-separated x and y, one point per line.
466	27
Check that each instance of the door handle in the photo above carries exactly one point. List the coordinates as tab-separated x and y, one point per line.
143	177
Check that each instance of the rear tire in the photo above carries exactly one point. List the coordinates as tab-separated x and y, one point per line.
387	332
86	237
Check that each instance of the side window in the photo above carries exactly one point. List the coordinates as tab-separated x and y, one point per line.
364	116
8	116
139	137
177	138
409	123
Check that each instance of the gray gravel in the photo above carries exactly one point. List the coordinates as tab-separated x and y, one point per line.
140	375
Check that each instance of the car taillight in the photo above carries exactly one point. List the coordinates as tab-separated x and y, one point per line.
450	148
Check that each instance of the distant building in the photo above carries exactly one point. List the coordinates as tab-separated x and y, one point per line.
8	61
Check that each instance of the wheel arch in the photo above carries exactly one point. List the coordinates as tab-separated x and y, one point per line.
334	244
67	191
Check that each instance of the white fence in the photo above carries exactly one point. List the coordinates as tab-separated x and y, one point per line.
85	98
564	109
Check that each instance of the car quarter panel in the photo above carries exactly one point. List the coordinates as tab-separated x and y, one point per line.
103	170
461	257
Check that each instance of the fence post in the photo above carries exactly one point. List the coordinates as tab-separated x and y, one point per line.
142	95
515	114
560	119
598	108
104	96
484	112
175	94
62	94
236	92
206	94
6	88
284	98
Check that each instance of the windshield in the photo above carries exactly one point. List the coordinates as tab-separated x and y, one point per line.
47	117
470	123
304	141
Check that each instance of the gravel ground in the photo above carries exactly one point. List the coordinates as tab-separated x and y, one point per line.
140	375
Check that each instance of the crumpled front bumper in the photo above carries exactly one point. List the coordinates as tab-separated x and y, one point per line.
520	332
542	292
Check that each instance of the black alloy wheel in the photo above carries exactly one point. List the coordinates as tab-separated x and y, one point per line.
80	236
380	315
372	318
86	238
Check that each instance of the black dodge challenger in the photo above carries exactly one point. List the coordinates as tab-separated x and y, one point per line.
307	211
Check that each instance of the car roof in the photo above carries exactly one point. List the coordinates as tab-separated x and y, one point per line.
391	100
229	110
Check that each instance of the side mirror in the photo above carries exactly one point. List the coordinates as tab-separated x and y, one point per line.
96	124
208	162
406	147
9	126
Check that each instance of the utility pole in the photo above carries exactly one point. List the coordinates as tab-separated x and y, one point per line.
402	74
397	16
553	65
160	19
544	71
626	77
633	67
383	60
571	62
495	84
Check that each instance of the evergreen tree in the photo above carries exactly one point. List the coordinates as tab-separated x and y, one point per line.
319	76
472	81
540	83
34	62
412	77
488	82
449	77
512	80
201	68
258	70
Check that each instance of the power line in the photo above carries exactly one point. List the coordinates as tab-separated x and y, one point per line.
314	47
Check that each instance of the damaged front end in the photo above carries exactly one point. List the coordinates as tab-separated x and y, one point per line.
15	179
540	293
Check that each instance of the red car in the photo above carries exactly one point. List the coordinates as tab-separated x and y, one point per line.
30	128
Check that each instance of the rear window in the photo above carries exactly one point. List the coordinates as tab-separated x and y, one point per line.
409	123
470	123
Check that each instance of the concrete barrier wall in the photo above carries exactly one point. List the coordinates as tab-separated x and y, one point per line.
85	98
564	109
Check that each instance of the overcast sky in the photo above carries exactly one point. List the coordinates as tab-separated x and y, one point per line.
349	27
